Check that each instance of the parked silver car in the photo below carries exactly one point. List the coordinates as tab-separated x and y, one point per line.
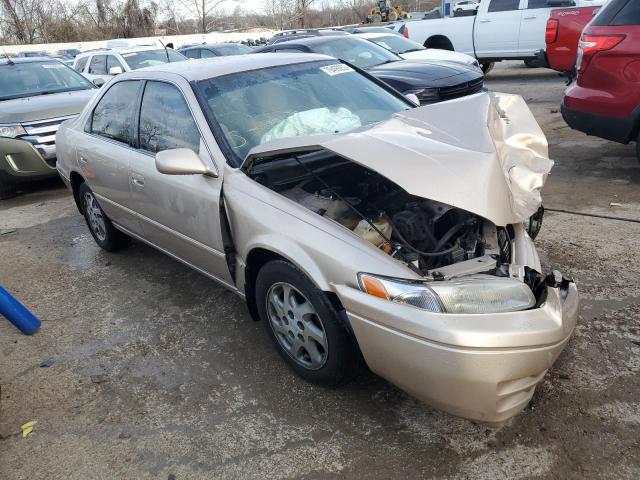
356	226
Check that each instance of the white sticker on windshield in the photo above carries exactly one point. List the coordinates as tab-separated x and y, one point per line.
336	69
53	65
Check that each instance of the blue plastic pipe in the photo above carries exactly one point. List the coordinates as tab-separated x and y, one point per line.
18	314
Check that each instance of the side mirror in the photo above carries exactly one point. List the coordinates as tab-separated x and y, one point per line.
180	161
115	70
98	82
413	98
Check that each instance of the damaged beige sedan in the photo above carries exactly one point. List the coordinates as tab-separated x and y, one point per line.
358	227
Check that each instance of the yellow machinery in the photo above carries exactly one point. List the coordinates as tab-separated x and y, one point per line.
385	12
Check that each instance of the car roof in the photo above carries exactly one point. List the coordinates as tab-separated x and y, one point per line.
104	51
5	61
195	70
319	40
210	45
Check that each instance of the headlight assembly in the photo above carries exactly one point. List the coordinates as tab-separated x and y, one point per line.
471	294
425	95
12	131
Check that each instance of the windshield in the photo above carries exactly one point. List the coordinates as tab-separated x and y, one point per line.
397	44
312	98
148	58
357	51
238	49
39	78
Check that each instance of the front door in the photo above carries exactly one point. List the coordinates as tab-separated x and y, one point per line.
105	151
497	30
179	213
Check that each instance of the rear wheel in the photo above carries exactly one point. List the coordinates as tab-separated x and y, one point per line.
7	190
487	67
638	147
305	326
101	228
531	63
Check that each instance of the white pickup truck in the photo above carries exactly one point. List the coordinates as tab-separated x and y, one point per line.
500	30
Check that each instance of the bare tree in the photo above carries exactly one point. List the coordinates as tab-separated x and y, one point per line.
202	10
281	13
302	6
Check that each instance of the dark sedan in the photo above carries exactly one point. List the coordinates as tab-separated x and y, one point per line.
215	50
430	81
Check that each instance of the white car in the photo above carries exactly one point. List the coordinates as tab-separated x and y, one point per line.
501	30
465	6
99	66
410	50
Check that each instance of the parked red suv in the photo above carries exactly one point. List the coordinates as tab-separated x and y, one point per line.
605	98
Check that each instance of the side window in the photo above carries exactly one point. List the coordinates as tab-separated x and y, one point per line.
81	64
165	120
98	65
112	61
207	53
112	117
537	4
195	53
503	5
628	15
290	50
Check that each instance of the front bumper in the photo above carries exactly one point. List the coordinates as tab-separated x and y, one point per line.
481	367
20	161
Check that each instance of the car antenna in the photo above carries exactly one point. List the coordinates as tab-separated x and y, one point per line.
165	50
9	61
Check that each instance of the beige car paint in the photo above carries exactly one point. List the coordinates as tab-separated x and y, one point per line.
482	367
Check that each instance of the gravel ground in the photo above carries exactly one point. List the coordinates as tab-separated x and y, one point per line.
159	373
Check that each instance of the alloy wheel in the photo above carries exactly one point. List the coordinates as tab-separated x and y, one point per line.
95	217
297	326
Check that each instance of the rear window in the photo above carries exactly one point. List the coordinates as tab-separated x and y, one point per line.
149	58
618	13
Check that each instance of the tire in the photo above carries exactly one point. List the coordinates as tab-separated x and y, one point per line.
531	63
638	147
306	330
102	230
487	67
7	190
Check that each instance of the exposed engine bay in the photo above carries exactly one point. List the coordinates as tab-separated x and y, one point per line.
426	235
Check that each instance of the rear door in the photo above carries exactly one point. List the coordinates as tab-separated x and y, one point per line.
533	26
179	213
497	29
105	152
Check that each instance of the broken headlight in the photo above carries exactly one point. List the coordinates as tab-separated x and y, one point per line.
471	294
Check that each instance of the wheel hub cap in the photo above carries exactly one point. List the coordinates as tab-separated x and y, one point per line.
95	217
297	326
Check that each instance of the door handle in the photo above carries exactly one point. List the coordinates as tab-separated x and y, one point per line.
137	180
531	17
485	20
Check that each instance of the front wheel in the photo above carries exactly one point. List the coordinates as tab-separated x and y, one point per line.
101	228
487	67
305	327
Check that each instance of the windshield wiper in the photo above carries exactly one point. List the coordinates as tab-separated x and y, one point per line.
414	50
385	62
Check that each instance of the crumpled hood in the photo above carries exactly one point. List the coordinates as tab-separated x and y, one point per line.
42	107
483	153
